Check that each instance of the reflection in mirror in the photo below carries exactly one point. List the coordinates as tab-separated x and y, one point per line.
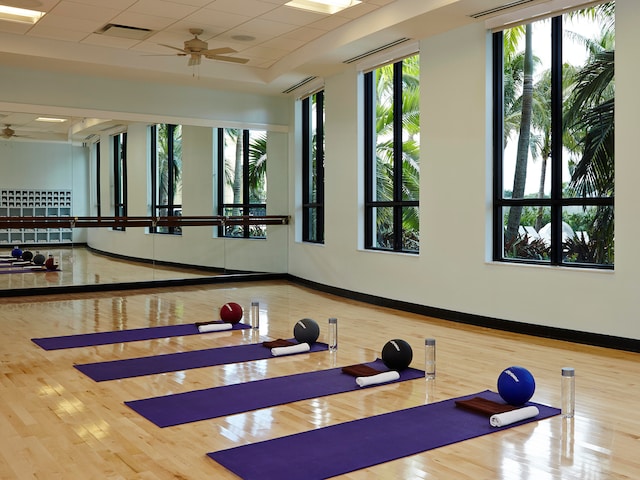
57	180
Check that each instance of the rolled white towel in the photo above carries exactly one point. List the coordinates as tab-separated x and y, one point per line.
299	348
379	378
214	327
507	418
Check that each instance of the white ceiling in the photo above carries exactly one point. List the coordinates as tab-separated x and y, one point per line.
284	45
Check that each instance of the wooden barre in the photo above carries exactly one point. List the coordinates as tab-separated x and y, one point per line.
172	221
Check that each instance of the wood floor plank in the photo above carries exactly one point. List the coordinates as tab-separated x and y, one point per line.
58	423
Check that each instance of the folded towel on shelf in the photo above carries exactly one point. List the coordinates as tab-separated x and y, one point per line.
377	379
507	418
300	348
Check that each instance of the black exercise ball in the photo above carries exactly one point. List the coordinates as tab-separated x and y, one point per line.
306	331
397	354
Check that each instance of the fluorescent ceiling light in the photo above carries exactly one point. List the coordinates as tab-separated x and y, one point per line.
21	15
51	119
323	6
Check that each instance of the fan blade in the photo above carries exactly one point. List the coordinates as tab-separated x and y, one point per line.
228	59
194	60
174	48
218	51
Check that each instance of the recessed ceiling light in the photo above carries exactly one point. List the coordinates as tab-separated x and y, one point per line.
22	15
51	119
323	6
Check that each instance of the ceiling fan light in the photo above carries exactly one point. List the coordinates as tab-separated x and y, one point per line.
21	15
323	6
51	119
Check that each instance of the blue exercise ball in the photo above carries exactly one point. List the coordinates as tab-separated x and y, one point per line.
16	252
516	385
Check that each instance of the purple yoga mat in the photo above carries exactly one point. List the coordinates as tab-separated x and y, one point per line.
170	410
338	449
119	336
173	362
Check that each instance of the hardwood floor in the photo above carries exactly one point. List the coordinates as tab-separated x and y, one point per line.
81	266
56	423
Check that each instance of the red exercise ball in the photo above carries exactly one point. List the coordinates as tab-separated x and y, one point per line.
50	263
231	312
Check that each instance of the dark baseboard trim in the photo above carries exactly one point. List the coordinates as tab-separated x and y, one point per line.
574	336
109	287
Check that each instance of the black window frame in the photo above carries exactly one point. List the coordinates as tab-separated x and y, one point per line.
398	203
313	168
171	208
556	201
245	208
120	190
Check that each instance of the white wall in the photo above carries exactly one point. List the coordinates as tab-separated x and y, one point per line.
453	270
47	166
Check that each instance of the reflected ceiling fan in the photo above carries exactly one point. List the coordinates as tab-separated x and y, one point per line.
8	132
195	49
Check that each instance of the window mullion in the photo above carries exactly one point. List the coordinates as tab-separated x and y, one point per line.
556	140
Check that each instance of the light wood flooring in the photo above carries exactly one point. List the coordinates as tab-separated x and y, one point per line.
81	266
56	423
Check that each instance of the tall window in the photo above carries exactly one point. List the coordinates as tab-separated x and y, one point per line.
554	140
242	179
313	168
392	167
96	151
166	174
120	176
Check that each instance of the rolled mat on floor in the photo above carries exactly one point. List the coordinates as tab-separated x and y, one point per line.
173	362
338	449
177	409
121	336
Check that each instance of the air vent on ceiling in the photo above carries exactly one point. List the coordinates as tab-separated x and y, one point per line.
376	50
299	84
506	6
124	31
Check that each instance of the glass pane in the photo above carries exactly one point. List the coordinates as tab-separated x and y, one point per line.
588	103
176	169
411	128
162	165
383	134
587	235
257	166
410	229
384	227
312	225
527	111
233	166
530	243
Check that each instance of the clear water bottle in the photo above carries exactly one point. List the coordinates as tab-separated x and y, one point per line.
255	315
568	393
430	358
333	334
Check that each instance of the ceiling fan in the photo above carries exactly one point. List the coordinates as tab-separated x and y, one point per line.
8	132
196	49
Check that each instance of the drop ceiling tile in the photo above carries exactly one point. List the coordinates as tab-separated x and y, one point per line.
264	28
217	19
357	10
256	7
305	34
75	24
293	16
80	11
140	20
330	23
53	33
162	8
14	27
265	53
108	41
